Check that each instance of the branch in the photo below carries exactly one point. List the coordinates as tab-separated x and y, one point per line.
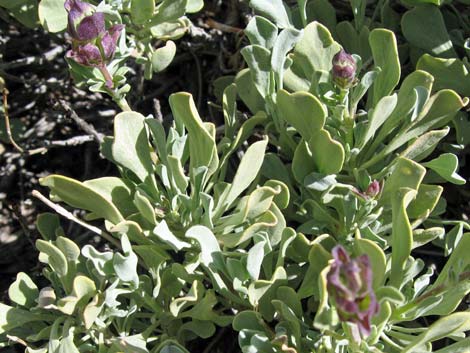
82	124
63	212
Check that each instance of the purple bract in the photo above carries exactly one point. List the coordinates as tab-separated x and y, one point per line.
344	69
349	284
373	189
92	44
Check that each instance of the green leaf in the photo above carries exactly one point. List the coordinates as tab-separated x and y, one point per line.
424	28
406	174
262	292
132	344
377	259
47	224
194	6
125	265
255	259
408	101
78	195
303	111
248	320
169	10
283	45
318	259
324	318
259	62
259	202
247	171
92	310
23	291
69	249
328	154
385	53
315	50
390	294
424	236
446	166
83	287
302	162
402	236
262	32
102	261
11	318
437	112
458	347
378	116
281	199
229	102
52	15
275	10
202	146
53	257
448	73
170	346
323	12
426	200
116	191
424	145
131	147
354	41
162	57
142	10
202	329
164	233
145	207
207	241
248	92
171	29
457	323
190	298
455	288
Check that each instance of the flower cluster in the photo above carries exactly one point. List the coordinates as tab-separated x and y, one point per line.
349	284
344	69
92	44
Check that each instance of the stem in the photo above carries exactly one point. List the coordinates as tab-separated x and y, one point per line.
7	121
303	11
107	76
63	212
387	340
122	103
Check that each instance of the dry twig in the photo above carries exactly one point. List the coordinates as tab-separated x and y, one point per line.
82	124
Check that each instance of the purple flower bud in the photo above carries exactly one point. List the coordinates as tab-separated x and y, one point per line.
373	189
109	41
77	11
349	284
344	69
93	45
87	55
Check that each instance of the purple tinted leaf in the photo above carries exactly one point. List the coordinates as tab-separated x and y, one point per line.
87	55
109	41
